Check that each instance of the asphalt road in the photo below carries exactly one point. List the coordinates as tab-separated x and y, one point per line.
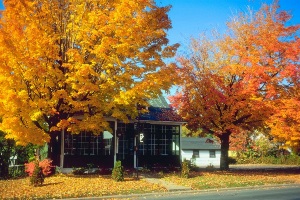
287	192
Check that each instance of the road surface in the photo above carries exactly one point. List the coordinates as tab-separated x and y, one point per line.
286	192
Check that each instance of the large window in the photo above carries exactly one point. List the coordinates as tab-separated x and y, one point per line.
158	139
86	143
161	139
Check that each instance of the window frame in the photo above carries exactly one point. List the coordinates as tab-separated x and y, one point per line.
196	153
212	153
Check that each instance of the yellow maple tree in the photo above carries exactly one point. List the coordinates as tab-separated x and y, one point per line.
63	59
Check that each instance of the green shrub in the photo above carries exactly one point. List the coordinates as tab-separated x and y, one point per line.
17	171
85	170
185	169
78	170
118	172
282	159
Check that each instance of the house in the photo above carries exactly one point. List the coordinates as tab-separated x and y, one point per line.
151	139
202	152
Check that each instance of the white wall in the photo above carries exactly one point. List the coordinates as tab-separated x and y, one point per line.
204	160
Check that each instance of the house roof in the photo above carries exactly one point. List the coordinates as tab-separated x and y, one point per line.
199	143
159	102
159	110
161	114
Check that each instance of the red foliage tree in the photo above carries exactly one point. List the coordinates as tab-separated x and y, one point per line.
231	84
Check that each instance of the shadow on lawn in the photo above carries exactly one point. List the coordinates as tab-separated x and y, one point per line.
47	184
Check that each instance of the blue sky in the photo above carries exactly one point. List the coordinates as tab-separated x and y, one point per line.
192	17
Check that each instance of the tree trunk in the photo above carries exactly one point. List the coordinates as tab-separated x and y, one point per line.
224	163
4	168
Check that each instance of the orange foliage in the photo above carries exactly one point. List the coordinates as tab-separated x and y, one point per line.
239	141
45	164
233	83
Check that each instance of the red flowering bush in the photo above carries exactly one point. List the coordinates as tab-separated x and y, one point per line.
45	165
29	168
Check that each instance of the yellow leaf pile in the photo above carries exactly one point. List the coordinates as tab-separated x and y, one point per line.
74	186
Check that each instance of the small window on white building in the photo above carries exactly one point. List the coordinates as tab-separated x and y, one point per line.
195	153
212	153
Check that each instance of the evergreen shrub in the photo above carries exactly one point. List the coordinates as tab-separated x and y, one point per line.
185	169
118	172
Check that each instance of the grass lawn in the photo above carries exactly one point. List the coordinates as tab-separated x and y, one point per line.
219	179
69	186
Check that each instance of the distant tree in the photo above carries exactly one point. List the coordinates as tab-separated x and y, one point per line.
239	141
188	133
230	84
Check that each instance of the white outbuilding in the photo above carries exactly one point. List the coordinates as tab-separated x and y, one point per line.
202	152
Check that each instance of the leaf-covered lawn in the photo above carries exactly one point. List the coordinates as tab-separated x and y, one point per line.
73	186
68	186
207	180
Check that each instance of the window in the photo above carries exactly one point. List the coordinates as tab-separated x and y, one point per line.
142	149
122	140
163	145
175	129
107	141
153	145
87	143
195	153
160	140
175	144
123	146
212	153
